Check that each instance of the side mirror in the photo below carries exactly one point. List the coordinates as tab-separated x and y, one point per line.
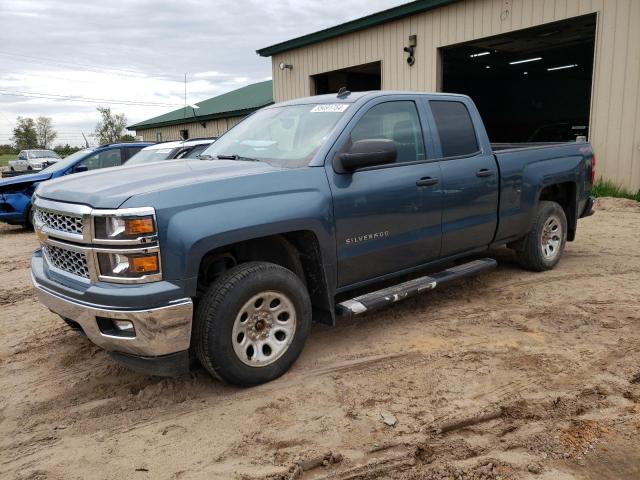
80	168
368	153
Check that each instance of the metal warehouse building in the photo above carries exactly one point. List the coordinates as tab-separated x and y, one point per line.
539	70
212	118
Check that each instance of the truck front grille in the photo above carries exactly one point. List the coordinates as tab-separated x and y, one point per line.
60	222
69	261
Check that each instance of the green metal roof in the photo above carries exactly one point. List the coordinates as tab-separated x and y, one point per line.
355	25
231	104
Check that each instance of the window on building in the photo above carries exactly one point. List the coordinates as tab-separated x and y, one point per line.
397	121
455	128
184	134
158	137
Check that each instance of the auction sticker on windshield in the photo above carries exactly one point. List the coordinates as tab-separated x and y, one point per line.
330	107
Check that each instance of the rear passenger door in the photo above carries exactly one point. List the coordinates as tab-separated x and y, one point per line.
387	217
469	178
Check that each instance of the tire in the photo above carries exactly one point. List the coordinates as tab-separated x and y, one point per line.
252	323
543	246
28	221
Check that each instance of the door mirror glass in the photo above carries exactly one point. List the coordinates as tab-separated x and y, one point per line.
368	153
80	168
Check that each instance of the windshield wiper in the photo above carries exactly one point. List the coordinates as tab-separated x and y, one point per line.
234	156
227	157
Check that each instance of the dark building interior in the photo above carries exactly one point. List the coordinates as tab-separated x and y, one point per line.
532	85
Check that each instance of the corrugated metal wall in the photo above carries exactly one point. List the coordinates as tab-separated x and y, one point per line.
213	128
615	112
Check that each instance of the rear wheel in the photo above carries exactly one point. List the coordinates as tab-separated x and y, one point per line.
542	248
252	323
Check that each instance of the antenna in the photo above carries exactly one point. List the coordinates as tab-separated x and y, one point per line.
85	139
343	92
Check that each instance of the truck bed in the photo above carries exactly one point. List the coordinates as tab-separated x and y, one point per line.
525	145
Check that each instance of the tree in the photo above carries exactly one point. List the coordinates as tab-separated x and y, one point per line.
46	133
65	150
112	126
24	134
7	149
127	137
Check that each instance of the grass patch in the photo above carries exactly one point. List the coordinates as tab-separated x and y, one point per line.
607	188
5	157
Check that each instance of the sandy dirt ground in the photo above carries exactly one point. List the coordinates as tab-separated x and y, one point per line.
511	374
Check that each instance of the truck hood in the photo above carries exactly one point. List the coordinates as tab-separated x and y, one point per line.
111	187
25	180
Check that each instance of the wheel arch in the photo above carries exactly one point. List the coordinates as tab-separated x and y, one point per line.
564	194
299	251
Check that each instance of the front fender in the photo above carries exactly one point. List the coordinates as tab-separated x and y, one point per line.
192	233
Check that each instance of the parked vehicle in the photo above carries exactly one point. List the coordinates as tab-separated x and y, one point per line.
33	160
299	206
16	192
172	150
561	131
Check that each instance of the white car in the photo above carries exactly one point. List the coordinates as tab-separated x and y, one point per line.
33	160
171	150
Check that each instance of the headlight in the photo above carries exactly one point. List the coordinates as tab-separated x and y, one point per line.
123	228
128	265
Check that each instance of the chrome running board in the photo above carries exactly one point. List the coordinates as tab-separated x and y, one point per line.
386	296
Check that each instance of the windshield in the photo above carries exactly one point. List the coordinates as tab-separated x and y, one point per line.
43	154
67	162
151	155
195	151
281	136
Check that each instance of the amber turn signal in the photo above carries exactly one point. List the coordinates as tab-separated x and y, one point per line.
137	226
146	264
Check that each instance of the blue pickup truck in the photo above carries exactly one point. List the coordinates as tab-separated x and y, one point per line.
308	209
16	192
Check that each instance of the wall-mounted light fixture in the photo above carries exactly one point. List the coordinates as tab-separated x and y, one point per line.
285	66
413	41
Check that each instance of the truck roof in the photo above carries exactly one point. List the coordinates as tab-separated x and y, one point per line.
352	97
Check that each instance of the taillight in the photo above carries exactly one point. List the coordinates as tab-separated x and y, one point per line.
593	169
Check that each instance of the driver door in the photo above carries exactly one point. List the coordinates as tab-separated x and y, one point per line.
388	217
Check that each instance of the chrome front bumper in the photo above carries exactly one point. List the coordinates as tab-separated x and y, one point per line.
158	331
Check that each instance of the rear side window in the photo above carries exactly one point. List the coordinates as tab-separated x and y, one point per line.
455	128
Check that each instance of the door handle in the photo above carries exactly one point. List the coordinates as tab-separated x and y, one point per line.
427	182
484	172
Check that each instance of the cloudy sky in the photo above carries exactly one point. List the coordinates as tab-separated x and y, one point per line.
132	55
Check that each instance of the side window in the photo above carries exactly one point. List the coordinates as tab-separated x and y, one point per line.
92	163
106	158
129	152
110	158
397	121
455	128
22	156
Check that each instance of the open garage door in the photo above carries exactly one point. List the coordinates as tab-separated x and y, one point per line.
532	85
359	78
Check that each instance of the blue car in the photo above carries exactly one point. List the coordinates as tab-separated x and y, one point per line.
15	192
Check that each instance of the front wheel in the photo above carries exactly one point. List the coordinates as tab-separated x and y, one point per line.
542	248
29	220
252	323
